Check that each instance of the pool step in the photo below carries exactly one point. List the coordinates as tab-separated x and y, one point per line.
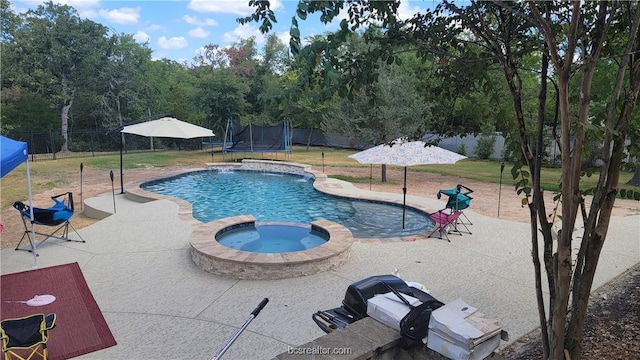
102	206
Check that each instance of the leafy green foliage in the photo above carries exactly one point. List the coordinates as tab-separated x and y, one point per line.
222	96
462	149
484	147
522	179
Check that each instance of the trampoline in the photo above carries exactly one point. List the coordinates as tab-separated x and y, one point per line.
257	138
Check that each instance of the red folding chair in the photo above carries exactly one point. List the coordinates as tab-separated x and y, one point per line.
443	221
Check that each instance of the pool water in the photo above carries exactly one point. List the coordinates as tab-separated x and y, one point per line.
272	238
280	197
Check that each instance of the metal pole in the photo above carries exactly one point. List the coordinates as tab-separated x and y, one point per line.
81	202
253	314
32	238
323	162
500	190
404	199
121	174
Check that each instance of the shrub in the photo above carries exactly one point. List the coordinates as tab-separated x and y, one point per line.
462	149
484	147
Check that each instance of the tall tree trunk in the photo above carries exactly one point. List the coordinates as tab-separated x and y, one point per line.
538	208
64	128
67	101
597	223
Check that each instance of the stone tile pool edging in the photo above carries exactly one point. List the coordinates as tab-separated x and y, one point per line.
321	182
211	256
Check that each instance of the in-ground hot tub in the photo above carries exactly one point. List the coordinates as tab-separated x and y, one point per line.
271	237
326	245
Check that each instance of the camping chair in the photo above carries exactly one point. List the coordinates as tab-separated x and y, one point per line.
443	222
57	215
458	201
27	335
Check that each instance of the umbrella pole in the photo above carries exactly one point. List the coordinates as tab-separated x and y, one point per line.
32	238
404	197
81	202
500	190
121	174
370	175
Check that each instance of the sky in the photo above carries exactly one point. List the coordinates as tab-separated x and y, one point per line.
177	29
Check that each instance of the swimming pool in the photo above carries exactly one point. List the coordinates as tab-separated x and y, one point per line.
281	197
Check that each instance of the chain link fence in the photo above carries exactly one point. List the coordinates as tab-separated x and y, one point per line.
48	145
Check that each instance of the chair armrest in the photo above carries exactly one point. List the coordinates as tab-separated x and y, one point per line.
50	321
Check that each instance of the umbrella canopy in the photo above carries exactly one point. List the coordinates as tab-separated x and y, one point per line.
168	127
12	154
403	153
406	153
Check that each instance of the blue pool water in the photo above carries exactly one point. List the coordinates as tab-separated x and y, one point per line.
272	238
284	198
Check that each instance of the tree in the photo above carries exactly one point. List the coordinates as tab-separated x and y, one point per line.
10	21
170	88
276	59
222	96
59	52
122	79
395	113
302	106
570	38
266	86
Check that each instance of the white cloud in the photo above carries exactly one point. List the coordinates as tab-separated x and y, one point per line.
244	32
193	20
79	4
235	7
198	33
284	37
122	15
176	42
154	27
141	37
85	8
406	11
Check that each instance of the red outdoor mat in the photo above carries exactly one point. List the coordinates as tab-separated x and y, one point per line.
80	326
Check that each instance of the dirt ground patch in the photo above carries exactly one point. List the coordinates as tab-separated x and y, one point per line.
612	326
612	329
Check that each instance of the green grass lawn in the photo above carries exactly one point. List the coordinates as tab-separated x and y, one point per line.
47	174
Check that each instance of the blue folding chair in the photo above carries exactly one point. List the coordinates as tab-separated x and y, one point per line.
58	215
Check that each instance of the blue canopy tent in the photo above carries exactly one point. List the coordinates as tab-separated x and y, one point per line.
13	153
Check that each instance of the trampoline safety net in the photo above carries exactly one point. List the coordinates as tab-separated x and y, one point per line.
260	138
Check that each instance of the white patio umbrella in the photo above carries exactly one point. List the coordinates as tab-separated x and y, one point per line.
168	127
406	153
